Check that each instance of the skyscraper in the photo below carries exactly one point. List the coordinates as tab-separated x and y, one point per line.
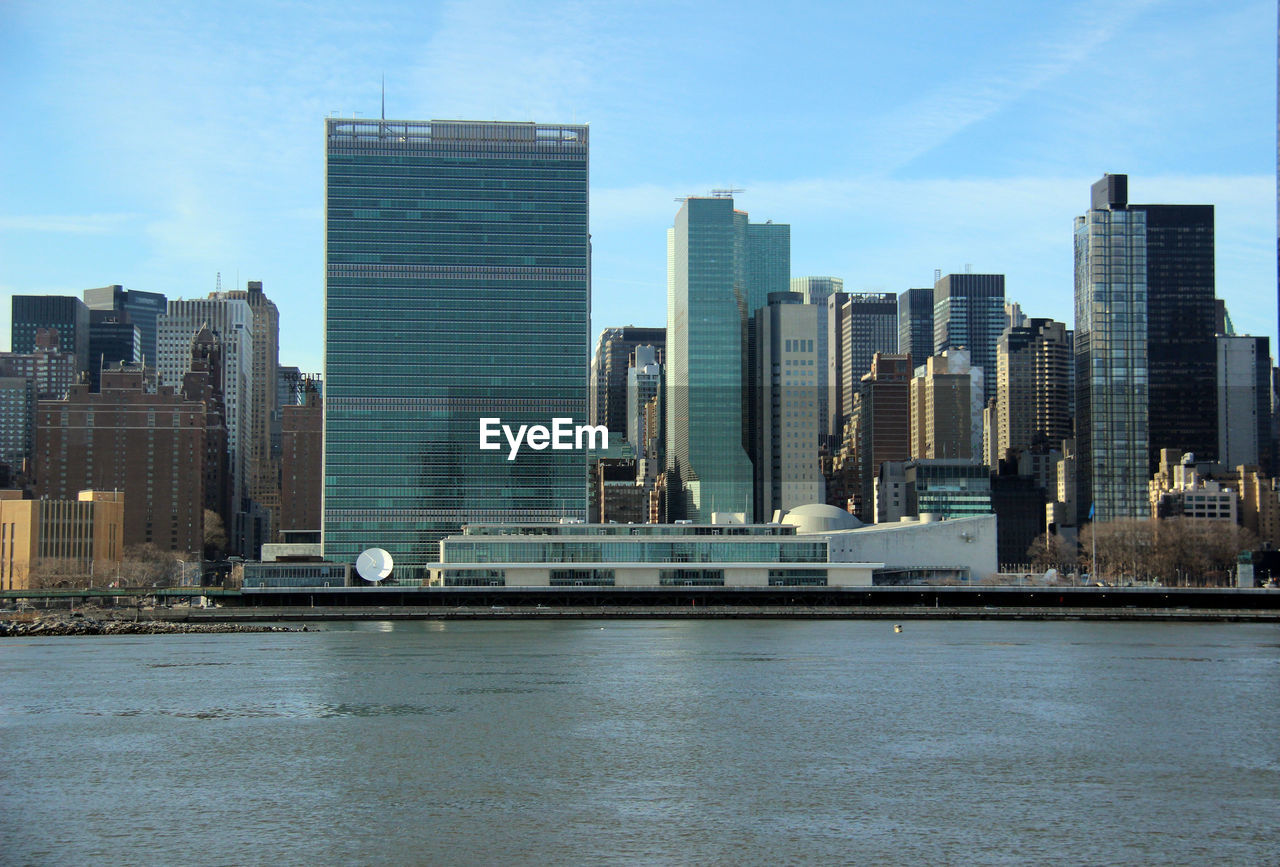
721	270
1181	325
868	325
1033	363
457	286
264	469
946	408
1111	355
113	339
816	291
65	314
785	453
1244	401
143	309
915	324
968	313
230	321
614	350
881	426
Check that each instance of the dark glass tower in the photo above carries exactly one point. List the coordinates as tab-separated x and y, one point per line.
968	313
915	324
457	287
144	310
1181	345
65	313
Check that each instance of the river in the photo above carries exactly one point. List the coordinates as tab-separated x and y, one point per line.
623	742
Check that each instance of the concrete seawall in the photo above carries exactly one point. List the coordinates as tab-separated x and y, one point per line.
665	612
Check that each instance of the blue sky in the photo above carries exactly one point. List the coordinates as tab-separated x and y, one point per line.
157	144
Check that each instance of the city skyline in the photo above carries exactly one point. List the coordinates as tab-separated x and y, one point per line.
932	155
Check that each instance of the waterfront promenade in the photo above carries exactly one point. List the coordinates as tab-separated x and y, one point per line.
982	602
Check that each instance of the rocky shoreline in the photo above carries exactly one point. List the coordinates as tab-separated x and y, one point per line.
64	625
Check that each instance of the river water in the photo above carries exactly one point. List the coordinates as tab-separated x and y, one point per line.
611	742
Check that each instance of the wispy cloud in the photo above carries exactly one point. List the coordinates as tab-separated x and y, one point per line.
930	121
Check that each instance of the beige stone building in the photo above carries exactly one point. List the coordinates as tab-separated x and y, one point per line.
946	408
80	536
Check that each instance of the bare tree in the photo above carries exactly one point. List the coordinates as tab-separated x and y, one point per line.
1176	551
215	536
1051	551
147	566
58	572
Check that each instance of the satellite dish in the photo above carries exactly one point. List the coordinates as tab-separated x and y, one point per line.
374	564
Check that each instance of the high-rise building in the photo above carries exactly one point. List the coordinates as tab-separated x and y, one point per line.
1111	355
644	381
915	324
143	309
837	400
1181	324
230	320
203	383
457	286
787	406
868	325
1244	401
45	373
65	314
150	446
969	314
817	291
17	420
946	408
302	463
609	365
264	468
113	339
721	269
51	368
880	427
1033	364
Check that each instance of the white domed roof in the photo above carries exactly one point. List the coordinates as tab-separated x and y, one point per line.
820	518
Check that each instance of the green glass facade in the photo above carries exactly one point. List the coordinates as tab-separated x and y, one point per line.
721	269
457	286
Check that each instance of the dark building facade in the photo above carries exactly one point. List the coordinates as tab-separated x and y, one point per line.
1019	504
968	313
113	339
143	309
65	314
915	324
609	365
1181	320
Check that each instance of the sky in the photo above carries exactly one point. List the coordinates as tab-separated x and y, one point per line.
158	145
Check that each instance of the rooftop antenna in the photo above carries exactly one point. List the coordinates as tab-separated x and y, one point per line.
218	283
384	96
726	193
